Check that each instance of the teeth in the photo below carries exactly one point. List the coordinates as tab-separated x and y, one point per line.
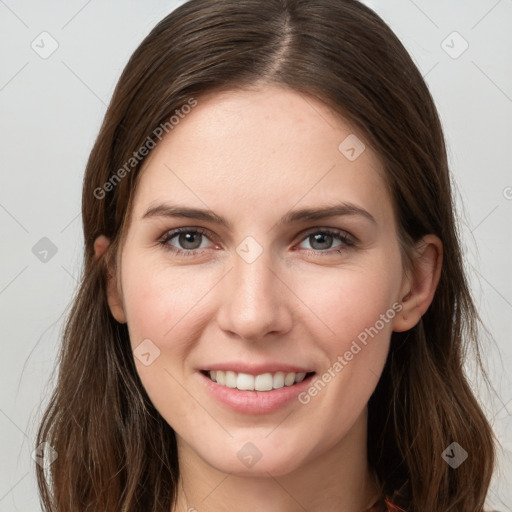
230	380
263	382
278	380
289	379
245	381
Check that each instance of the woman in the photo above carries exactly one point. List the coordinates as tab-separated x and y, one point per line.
273	310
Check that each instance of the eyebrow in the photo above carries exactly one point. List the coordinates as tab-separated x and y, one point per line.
294	216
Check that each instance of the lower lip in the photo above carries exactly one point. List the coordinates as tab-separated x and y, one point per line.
254	402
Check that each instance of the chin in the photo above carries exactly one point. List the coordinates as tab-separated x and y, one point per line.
256	459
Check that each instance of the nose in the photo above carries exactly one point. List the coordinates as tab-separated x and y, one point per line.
255	300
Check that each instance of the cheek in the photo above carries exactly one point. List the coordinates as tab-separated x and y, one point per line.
162	305
159	302
351	301
356	312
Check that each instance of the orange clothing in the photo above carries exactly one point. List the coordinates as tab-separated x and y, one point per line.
385	505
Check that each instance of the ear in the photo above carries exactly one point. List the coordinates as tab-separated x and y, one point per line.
113	296
420	282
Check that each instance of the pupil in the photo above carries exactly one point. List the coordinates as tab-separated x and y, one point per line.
319	237
188	238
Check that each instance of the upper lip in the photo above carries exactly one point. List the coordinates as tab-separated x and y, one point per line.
256	369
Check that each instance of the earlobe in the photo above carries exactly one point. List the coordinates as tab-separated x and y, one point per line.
420	286
113	295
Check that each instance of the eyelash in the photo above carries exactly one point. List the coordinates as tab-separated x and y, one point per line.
338	234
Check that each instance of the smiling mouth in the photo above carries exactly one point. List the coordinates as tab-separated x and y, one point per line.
261	382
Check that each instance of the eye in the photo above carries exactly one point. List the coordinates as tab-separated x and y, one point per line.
189	240
322	239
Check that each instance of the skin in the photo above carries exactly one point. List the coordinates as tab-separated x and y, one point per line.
251	156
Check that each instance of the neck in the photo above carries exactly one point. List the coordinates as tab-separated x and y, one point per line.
338	480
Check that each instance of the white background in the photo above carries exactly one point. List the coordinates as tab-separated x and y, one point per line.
51	110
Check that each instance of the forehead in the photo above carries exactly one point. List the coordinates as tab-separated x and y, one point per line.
264	149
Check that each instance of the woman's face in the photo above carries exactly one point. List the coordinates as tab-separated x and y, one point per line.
256	285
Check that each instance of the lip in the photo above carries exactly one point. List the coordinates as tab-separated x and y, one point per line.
255	369
253	402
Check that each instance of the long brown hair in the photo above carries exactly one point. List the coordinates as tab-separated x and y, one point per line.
115	451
